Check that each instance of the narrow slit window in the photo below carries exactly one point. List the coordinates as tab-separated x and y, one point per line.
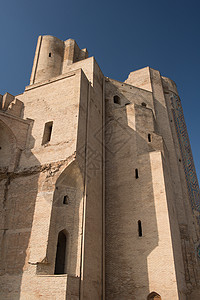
136	174
65	199
47	132
116	99
149	138
49	54
139	228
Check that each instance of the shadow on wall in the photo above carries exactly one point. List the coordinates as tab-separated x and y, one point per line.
64	242
131	226
182	235
18	193
8	146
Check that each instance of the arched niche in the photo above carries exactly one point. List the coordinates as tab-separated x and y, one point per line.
71	176
61	261
7	145
69	185
67	215
154	296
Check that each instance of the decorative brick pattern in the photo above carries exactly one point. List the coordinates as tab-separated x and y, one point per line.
186	153
188	163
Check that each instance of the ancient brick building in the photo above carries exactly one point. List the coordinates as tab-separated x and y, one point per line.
99	195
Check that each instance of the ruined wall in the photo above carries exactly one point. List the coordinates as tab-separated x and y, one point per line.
189	214
92	264
18	192
181	193
46	173
105	168
135	264
180	177
52	57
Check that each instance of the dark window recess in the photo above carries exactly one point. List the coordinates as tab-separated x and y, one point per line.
149	137
136	173
49	54
61	254
139	228
154	296
47	132
116	100
65	199
144	104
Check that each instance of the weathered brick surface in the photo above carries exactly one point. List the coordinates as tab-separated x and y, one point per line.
114	164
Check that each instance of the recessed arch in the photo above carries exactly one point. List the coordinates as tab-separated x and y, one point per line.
71	176
69	183
61	253
154	296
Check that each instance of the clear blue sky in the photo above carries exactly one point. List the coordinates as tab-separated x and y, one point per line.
122	35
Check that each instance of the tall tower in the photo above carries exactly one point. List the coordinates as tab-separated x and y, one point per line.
99	194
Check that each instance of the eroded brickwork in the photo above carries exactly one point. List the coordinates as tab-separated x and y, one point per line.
99	196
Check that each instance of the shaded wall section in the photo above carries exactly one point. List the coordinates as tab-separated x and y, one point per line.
18	195
134	263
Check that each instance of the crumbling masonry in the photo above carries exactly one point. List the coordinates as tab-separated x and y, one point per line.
99	195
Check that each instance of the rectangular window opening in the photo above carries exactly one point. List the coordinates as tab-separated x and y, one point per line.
47	132
136	173
149	138
65	199
139	228
49	54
